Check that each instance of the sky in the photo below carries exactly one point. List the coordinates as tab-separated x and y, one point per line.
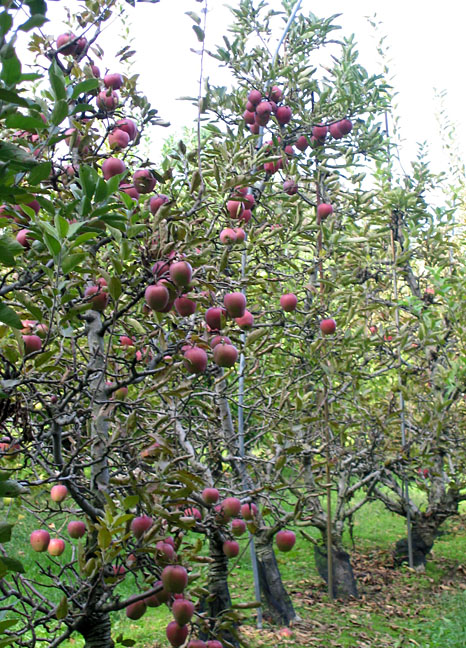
426	44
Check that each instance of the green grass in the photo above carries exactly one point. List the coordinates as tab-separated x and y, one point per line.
397	607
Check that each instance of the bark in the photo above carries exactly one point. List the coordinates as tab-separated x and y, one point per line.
274	596
96	630
276	601
344	583
219	601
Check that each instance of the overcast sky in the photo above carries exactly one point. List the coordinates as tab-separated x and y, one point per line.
426	41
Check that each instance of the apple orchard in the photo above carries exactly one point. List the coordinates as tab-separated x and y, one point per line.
252	335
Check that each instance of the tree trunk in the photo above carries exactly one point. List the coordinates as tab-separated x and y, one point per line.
276	601
425	528
96	630
344	582
219	602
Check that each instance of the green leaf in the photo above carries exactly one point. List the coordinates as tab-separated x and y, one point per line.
104	538
9	247
57	81
61	225
62	608
8	316
7	623
60	112
52	244
24	122
255	335
34	21
193	16
16	156
12	564
114	288
37	6
40	172
89	179
5	533
71	261
84	86
11	69
10	488
8	641
130	501
6	21
13	98
199	33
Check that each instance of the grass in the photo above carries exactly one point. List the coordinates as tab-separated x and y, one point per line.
396	607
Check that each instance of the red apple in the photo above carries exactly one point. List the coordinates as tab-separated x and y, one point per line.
240	233
285	540
249	511
31	343
335	130
140	525
63	46
249	117
214	318
182	611
174	579
98	298
320	132
210	495
195	359
246	215
328	326
114	81
193	512
112	167
283	115
213	643
231	506
225	355
254	128
235	304
255	97
176	634
285	632
275	93
118	139
157	201
157	599
23	239
302	143
249	201
157	297
56	547
166	551
181	273
238	527
129	126
288	302
136	610
227	236
129	190
290	187
345	126
107	101
197	643
95	71
144	181
39	540
185	306
246	322
264	109
58	492
324	210
235	208
76	529
125	340
81	45
230	548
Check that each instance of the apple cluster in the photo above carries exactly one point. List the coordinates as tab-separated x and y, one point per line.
259	109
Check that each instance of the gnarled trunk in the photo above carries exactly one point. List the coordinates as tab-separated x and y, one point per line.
344	582
276	601
219	602
96	629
